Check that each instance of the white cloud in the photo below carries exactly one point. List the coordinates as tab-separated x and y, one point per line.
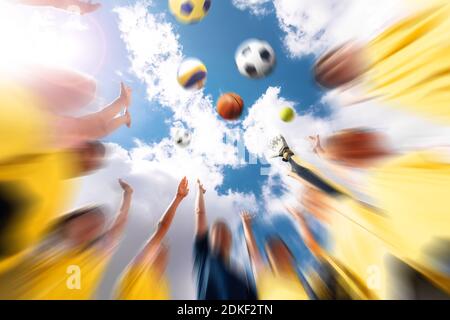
155	54
256	7
404	132
311	26
155	182
155	169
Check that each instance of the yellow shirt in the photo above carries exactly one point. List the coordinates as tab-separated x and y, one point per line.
412	192
279	287
142	282
71	275
32	174
410	63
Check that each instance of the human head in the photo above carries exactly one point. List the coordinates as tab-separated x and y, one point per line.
221	239
91	155
356	147
81	227
280	257
340	66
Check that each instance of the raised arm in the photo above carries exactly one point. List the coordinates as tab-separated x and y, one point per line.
307	235
83	6
119	224
154	244
255	256
201	227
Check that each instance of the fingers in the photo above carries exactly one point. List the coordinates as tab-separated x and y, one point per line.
246	216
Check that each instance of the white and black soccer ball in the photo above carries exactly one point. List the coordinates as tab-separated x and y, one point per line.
255	58
182	137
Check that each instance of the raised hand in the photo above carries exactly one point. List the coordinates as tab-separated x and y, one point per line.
246	217
183	188
200	187
315	143
125	95
125	186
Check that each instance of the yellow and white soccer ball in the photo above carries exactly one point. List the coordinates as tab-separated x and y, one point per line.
189	11
192	74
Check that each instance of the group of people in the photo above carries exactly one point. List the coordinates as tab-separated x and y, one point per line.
401	222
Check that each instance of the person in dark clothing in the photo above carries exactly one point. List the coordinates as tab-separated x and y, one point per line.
281	149
216	278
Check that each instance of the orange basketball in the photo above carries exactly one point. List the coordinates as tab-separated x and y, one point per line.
230	106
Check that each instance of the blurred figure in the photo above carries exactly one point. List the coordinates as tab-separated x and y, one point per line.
145	279
78	6
303	171
334	280
358	147
60	90
33	189
216	278
70	131
407	65
410	192
70	261
279	280
89	157
396	182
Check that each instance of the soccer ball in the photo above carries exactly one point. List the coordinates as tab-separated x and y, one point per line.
182	137
255	58
189	11
192	74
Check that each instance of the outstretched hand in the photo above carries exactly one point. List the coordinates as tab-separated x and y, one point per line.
125	94
246	217
125	186
200	186
315	143
183	188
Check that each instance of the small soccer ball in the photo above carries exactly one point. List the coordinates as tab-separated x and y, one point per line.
287	114
255	58
192	74
182	138
189	11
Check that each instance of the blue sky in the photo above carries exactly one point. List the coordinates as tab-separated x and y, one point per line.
125	41
214	41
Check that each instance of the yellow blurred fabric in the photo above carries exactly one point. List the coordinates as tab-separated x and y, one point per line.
410	63
279	287
55	276
412	192
142	282
31	171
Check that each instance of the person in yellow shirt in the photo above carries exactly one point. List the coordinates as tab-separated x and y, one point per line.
278	280
410	191
144	278
407	65
338	282
70	261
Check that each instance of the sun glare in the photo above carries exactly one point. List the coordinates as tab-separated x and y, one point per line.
36	36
